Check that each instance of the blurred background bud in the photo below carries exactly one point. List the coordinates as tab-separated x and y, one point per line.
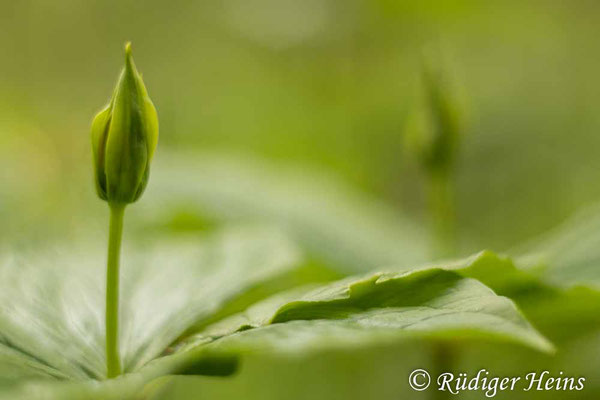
435	125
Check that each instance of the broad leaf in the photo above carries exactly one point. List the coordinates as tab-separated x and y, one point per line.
432	301
562	294
334	223
560	313
52	320
570	254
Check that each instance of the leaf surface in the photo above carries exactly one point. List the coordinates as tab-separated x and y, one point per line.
438	301
569	255
55	330
52	320
334	223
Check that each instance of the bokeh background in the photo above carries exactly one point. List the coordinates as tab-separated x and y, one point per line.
321	85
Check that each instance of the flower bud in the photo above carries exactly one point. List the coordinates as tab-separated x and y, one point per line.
124	137
434	127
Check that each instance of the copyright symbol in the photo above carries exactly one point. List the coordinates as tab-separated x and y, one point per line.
419	379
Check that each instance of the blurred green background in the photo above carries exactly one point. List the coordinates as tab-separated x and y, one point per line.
319	83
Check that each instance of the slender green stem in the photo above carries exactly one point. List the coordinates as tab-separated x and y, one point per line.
442	213
113	360
444	360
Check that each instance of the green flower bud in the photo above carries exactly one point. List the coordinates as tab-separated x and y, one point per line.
445	118
434	128
124	137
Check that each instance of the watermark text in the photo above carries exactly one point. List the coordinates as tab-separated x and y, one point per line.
490	385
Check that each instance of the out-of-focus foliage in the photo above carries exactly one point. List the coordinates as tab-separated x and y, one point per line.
325	83
569	254
336	224
434	127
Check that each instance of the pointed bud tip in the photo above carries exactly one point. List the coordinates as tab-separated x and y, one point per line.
128	57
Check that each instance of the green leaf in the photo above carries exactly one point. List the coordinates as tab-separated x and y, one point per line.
52	322
561	313
438	302
569	255
175	284
564	298
334	223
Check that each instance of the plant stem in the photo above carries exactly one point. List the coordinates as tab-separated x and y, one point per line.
441	206
113	360
442	213
444	360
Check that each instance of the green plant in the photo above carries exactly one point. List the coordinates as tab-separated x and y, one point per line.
124	137
201	305
278	262
433	135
